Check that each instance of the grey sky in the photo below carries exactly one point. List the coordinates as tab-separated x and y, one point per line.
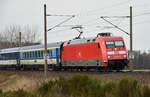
30	12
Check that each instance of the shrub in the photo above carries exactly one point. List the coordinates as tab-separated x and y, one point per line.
1	93
128	88
78	85
110	88
83	86
18	93
96	88
45	89
145	91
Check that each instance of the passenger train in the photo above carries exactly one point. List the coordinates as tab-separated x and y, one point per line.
101	52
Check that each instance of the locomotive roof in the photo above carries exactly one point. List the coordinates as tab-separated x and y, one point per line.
82	41
90	40
13	50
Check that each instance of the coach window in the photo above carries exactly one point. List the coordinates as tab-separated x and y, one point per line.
35	54
48	52
51	54
41	54
30	54
24	54
38	53
27	54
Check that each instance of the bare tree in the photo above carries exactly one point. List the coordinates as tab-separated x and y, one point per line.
10	36
30	35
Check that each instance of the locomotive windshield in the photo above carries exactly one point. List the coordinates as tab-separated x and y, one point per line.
113	44
119	44
110	44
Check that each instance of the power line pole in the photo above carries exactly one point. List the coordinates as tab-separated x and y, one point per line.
19	39
45	41
131	41
45	34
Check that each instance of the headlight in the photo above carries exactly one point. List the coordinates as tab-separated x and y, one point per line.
124	56
109	57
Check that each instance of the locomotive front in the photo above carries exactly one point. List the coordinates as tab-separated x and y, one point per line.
114	54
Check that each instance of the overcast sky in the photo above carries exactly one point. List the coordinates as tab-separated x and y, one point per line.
88	12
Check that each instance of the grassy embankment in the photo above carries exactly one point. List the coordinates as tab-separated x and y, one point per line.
84	86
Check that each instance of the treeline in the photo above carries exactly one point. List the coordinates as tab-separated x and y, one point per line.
141	60
10	37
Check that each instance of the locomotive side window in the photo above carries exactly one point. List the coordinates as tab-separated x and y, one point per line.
119	44
110	44
98	45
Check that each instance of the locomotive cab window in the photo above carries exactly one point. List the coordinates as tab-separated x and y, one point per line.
119	44
110	44
113	44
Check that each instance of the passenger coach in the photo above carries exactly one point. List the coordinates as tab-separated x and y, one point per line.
30	57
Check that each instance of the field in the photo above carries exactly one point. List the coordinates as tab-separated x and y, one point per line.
35	82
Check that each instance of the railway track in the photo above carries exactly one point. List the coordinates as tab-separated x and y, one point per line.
81	72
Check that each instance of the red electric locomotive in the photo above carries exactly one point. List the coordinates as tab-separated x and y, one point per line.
104	51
